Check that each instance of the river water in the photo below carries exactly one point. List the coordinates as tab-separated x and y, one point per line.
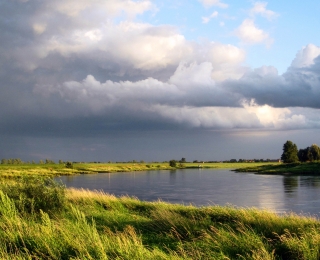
204	187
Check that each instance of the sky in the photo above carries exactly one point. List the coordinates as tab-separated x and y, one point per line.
121	80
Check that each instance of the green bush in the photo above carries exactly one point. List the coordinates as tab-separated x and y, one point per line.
173	163
69	165
32	194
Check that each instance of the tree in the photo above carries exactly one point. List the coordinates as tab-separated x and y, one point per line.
304	154
315	151
69	165
173	163
17	161
290	152
309	154
183	160
4	161
48	161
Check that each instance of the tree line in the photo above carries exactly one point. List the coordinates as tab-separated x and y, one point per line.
291	153
19	161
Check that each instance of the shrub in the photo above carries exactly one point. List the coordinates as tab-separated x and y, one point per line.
173	163
69	165
32	194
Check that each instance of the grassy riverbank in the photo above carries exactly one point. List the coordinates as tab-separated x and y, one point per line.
79	224
10	171
308	168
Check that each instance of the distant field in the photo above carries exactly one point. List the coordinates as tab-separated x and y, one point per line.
228	165
13	170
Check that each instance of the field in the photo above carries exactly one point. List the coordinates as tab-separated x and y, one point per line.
41	220
19	170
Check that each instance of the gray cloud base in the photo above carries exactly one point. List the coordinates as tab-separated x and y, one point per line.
58	68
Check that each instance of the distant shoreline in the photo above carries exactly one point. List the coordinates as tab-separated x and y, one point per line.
12	170
307	168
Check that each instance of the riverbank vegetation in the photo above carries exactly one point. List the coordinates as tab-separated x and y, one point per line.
307	168
300	162
68	168
55	223
291	154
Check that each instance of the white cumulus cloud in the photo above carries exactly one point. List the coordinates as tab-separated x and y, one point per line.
260	8
208	3
249	33
76	8
305	57
207	19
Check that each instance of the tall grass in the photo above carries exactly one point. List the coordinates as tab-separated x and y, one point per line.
95	225
32	194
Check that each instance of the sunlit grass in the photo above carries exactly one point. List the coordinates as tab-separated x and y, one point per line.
290	168
96	225
11	171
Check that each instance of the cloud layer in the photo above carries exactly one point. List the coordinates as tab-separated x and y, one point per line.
74	60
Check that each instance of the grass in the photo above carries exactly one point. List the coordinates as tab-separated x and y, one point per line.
308	168
95	225
11	171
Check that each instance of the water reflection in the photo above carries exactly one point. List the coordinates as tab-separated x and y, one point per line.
173	177
290	183
310	181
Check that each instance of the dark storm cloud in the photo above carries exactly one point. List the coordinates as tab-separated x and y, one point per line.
85	80
79	71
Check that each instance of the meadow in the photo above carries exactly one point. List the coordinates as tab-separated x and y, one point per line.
306	168
18	170
40	219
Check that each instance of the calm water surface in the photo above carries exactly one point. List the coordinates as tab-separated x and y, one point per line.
300	194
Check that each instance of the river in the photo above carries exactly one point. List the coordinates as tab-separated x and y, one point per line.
204	187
